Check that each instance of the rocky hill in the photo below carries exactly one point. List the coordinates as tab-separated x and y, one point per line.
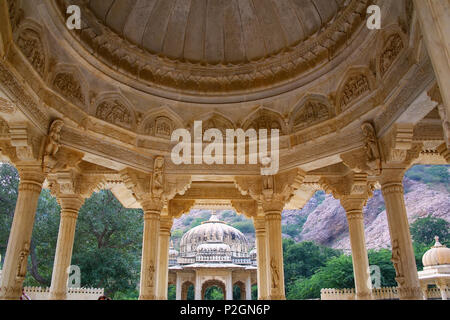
322	219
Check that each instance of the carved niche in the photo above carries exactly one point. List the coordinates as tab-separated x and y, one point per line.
69	86
355	86
217	122
115	112
31	45
310	113
392	48
159	127
265	119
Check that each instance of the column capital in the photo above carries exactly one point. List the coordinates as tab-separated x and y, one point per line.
166	225
271	191
260	225
353	189
70	205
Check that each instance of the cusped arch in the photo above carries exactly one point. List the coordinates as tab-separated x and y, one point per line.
31	41
114	108
160	123
213	282
357	83
264	118
68	81
310	110
214	120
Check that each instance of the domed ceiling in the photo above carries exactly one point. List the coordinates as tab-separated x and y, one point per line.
215	31
216	47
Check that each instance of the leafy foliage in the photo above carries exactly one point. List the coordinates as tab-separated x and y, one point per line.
423	230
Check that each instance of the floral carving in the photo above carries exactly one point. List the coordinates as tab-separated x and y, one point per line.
115	112
392	48
312	112
31	46
69	86
355	87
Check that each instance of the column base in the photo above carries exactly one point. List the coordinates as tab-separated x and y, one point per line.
10	293
406	293
363	296
147	297
58	296
276	297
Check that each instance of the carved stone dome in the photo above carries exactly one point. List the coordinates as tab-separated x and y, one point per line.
215	32
439	254
203	49
214	236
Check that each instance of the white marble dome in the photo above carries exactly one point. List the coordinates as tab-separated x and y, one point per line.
439	254
214	235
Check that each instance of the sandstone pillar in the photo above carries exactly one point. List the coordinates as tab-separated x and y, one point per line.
355	219
228	294
178	288
150	244
434	23
63	256
442	285
197	289
261	251
15	264
274	260
163	266
402	249
248	288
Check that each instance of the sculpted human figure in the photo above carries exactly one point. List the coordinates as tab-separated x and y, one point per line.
371	146
54	137
275	274
157	187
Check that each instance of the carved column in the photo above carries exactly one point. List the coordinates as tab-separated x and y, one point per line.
355	218
150	244
198	288
248	287
178	287
434	23
402	249
261	252
228	294
70	205
442	285
163	266
275	270
15	264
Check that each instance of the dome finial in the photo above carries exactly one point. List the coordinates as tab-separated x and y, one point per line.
213	216
436	242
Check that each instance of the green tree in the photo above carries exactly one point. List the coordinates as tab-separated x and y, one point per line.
214	293
423	230
302	259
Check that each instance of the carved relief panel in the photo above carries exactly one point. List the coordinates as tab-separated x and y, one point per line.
392	48
69	86
355	86
32	47
310	112
115	112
